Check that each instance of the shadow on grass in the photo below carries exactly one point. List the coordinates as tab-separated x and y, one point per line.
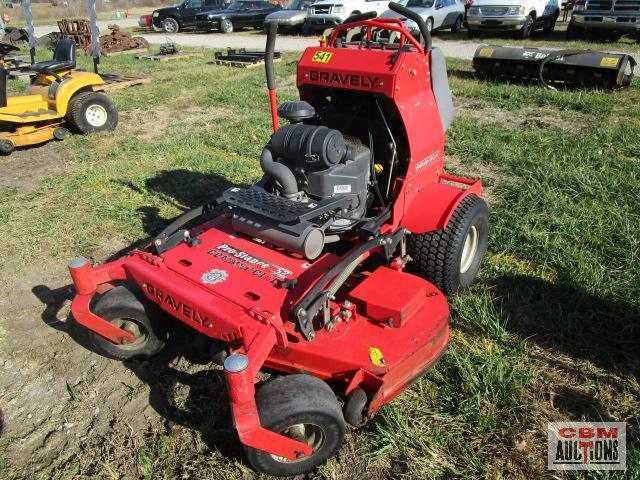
181	188
206	406
564	318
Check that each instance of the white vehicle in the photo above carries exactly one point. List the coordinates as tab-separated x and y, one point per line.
292	16
328	13
437	14
519	16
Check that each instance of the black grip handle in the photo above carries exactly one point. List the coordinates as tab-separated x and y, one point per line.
410	14
272	32
359	17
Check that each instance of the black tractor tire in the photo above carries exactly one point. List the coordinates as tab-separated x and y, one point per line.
123	308
526	30
170	25
438	256
91	112
355	408
457	26
573	32
300	406
552	24
226	26
429	25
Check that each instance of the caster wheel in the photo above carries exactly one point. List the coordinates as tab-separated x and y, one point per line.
6	147
301	407
60	133
121	307
355	408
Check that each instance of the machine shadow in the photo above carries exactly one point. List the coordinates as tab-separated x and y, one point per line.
567	319
182	188
181	390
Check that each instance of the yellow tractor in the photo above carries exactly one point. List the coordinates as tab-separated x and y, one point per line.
58	96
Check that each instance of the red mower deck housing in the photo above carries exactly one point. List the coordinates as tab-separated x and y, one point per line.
379	328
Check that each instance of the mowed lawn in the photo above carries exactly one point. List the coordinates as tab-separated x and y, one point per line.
550	331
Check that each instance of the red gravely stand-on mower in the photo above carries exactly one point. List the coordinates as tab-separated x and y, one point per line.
304	273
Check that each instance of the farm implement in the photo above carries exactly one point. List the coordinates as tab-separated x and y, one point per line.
552	68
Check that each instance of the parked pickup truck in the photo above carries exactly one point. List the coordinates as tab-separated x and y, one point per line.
611	17
328	13
521	17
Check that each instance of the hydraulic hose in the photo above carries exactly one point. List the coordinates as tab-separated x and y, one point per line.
284	176
410	14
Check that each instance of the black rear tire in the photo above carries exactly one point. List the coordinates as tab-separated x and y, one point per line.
91	112
552	24
122	307
526	30
440	256
457	26
286	403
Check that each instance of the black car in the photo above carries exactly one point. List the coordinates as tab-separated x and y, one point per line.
183	15
237	15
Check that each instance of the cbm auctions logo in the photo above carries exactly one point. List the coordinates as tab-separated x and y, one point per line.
587	446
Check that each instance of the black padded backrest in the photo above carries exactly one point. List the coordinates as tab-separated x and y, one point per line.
65	51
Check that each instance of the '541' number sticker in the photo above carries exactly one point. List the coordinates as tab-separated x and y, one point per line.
322	57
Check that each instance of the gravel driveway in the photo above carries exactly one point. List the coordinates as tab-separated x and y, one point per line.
256	41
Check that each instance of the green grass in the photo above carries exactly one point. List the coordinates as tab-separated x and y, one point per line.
557	39
548	333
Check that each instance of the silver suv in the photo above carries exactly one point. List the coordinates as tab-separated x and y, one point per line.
615	17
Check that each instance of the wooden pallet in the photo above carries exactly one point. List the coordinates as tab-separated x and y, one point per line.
25	74
173	56
125	52
117	82
240	64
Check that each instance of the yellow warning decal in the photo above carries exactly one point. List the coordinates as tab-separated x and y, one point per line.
609	62
322	57
485	52
376	357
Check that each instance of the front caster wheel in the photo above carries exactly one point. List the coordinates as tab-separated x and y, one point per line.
355	408
301	407
122	308
6	147
451	258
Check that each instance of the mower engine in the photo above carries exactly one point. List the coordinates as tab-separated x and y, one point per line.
314	188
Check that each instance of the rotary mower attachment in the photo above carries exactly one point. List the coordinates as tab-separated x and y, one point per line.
304	274
552	68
